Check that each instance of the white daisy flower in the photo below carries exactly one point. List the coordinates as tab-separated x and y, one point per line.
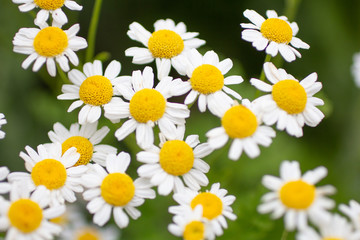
273	35
207	81
27	216
295	196
174	160
355	69
49	167
93	88
290	103
47	45
85	139
47	7
167	44
148	106
2	122
112	190
5	187
216	206
353	212
337	228
191	225
242	124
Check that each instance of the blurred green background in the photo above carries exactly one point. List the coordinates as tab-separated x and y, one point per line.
330	27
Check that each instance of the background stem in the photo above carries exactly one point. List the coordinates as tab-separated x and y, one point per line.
92	31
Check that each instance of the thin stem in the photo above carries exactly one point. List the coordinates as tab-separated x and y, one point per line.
284	235
262	74
92	31
62	74
291	7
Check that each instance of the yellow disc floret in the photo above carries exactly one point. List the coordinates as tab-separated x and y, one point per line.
297	194
25	215
117	189
239	122
165	44
96	90
277	30
49	4
176	157
50	42
194	231
82	145
87	234
211	204
49	172
147	105
290	96
207	79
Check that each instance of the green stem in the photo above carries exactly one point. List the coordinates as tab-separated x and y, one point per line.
284	235
92	31
262	74
62	74
291	7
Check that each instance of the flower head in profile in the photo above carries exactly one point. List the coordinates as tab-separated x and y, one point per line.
2	122
27	216
353	212
86	139
48	7
208	83
241	123
93	88
48	45
355	69
112	190
167	44
274	34
147	106
49	167
336	228
176	161
290	103
216	206
296	197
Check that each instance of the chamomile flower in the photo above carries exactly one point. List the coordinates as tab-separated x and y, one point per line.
48	44
336	228
353	212
47	7
241	124
2	122
208	83
355	69
112	190
148	106
27	216
290	103
93	88
273	35
50	168
295	196
85	139
167	44
191	225
176	161
5	187
216	206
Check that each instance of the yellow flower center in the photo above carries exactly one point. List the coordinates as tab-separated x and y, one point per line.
117	189
331	238
88	234
96	90
276	30
49	4
165	44
60	220
211	204
176	157
83	146
207	79
49	172
147	105
25	215
297	194
239	122
290	96
50	42
194	231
